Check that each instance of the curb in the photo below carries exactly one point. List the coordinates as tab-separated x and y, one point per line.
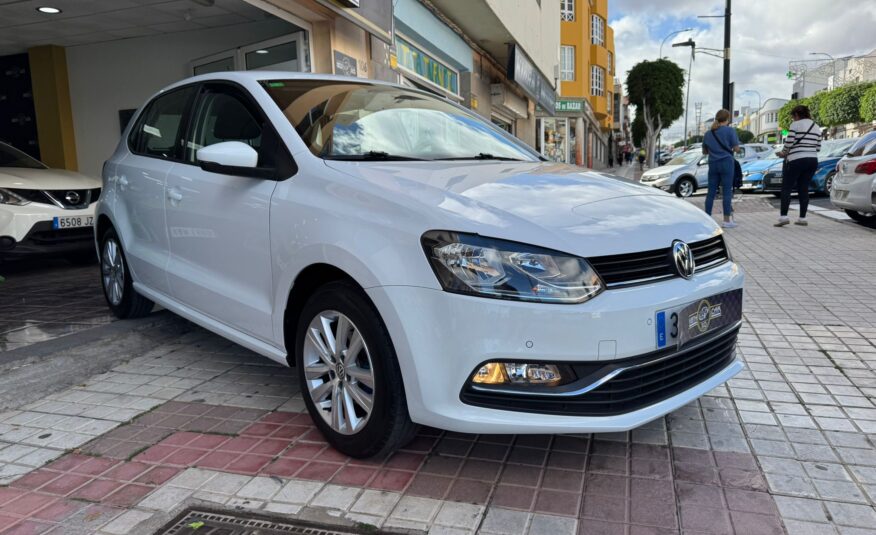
49	348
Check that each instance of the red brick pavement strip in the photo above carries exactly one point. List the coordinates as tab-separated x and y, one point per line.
606	485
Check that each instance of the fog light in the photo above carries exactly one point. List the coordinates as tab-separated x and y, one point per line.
516	373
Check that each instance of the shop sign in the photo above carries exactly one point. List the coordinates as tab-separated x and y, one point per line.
523	71
374	16
570	105
422	64
345	65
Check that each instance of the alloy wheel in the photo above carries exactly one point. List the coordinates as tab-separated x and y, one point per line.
112	269
338	372
685	187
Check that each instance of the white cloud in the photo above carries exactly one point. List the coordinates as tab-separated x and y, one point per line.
765	37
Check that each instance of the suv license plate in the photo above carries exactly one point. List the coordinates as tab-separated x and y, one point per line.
678	326
72	222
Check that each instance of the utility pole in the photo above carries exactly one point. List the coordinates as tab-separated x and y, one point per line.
726	104
698	106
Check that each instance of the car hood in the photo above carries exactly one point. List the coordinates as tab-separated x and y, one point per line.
663	169
51	179
552	205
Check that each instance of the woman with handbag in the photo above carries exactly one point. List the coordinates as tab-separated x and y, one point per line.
719	143
801	161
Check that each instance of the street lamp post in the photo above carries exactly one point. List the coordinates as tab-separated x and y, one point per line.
693	46
758	108
670	35
832	61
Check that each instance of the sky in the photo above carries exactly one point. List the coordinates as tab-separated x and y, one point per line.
766	35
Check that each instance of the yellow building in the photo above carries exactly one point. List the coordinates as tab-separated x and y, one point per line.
584	117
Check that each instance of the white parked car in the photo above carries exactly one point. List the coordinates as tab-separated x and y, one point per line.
854	186
45	211
416	264
689	171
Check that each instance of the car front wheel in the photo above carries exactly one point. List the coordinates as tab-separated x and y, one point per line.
115	278
349	374
685	187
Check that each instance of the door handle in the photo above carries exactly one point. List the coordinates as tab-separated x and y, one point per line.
174	195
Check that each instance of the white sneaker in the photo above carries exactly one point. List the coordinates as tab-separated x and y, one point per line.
782	221
730	224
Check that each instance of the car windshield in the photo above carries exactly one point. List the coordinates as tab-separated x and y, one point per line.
686	158
836	148
12	157
860	146
359	121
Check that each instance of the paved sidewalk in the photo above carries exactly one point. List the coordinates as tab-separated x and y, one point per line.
787	446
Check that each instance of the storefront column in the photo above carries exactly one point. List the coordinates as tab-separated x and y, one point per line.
51	99
580	134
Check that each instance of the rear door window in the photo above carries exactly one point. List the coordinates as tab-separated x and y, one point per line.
161	126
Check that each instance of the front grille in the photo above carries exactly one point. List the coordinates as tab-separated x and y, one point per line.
63	197
67	235
657	264
33	195
644	381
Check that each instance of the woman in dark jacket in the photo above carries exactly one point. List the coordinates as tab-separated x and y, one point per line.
719	143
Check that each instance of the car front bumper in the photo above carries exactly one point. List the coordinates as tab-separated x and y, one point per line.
26	230
440	338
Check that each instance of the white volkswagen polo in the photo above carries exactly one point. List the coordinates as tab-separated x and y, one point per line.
414	263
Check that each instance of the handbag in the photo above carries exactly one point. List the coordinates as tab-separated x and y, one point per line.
737	168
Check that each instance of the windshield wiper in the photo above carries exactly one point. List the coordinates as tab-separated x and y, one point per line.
372	156
484	156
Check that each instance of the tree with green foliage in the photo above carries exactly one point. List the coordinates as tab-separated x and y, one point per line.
744	135
868	105
843	104
655	89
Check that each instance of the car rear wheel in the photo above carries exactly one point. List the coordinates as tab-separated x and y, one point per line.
116	281
349	373
685	187
862	218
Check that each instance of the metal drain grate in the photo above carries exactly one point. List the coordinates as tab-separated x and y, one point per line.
198	522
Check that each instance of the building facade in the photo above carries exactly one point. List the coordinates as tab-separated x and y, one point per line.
498	57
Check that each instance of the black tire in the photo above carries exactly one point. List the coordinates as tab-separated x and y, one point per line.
868	220
389	425
82	258
685	185
131	304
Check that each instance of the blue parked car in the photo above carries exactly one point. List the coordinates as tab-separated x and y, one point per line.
752	173
828	157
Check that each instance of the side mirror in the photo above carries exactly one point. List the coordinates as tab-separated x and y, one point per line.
232	158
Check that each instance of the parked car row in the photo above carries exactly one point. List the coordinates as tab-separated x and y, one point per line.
828	158
45	210
689	171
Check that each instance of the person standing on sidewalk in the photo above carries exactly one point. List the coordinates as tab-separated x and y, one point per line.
719	143
801	160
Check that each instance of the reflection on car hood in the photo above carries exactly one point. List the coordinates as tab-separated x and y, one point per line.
51	179
553	205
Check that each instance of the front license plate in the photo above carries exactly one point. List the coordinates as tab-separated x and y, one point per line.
73	222
678	326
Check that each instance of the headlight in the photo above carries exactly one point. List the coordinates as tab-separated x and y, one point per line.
664	175
474	265
8	197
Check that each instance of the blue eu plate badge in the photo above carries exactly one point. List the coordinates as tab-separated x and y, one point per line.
661	329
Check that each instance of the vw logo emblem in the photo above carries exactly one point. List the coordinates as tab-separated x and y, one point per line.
683	258
72	197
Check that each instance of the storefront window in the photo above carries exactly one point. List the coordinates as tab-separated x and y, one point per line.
554	139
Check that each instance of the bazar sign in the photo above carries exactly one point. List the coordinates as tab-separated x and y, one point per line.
523	71
570	105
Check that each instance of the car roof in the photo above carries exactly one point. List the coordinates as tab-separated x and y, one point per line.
260	76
